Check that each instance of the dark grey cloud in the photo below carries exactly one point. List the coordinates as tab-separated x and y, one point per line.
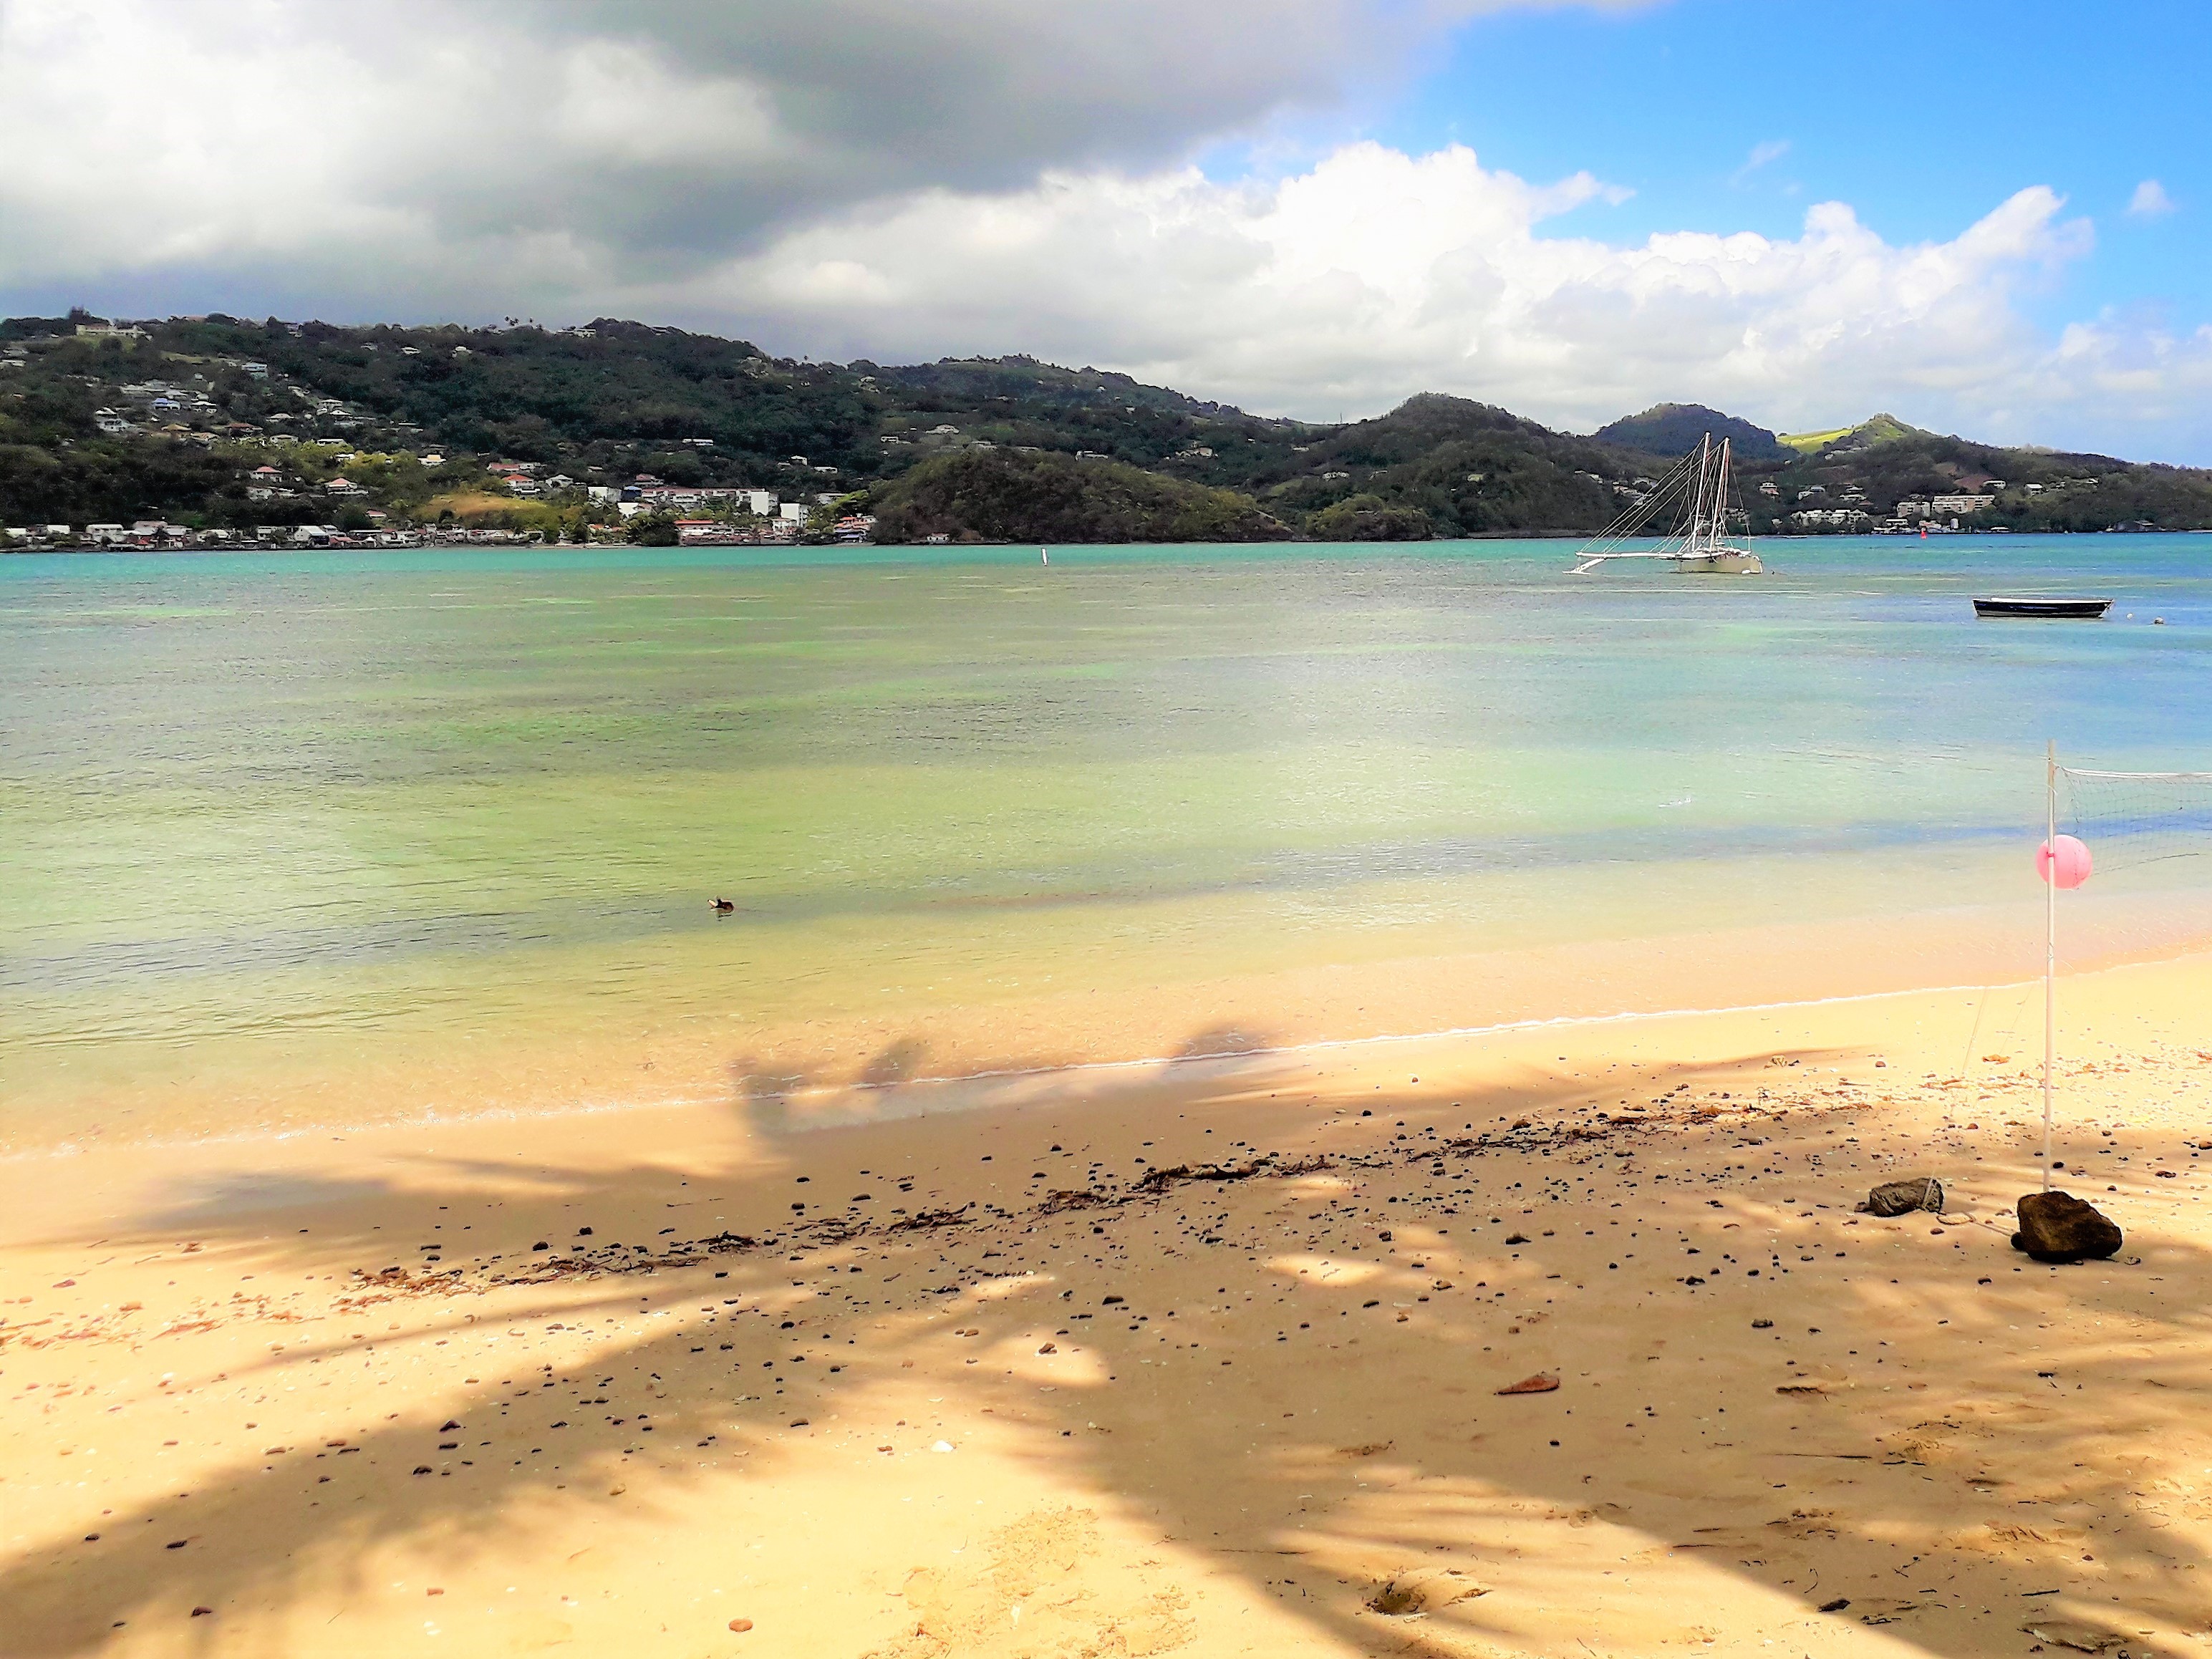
791	111
552	143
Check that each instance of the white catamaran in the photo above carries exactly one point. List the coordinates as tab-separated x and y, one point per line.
1700	541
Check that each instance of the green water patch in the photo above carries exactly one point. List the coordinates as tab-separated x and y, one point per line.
447	796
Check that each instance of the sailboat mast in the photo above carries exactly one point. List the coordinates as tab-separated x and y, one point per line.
1719	498
1698	510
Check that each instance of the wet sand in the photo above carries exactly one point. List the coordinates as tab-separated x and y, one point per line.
1199	1358
654	1045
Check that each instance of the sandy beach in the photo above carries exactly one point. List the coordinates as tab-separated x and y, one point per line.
1195	1358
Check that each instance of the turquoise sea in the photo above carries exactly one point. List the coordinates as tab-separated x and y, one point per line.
292	837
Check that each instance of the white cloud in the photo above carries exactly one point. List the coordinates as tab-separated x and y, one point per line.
1377	274
1773	149
861	177
2150	201
153	135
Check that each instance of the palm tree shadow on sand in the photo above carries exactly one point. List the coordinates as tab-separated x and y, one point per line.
1339	1448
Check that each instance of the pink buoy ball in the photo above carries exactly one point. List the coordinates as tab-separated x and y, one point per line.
2064	861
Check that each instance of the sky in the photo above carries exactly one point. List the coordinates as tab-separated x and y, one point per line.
1993	218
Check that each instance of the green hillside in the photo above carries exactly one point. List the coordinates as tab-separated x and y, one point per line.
221	423
1469	469
1875	428
1678	429
1876	467
998	496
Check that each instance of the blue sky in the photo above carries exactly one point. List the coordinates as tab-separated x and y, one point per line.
1922	116
1799	213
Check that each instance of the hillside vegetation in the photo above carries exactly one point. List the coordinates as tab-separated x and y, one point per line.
997	494
221	422
1678	429
1883	464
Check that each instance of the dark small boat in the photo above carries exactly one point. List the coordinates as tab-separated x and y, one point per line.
2026	606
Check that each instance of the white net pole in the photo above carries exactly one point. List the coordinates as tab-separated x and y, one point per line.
2152	836
2049	942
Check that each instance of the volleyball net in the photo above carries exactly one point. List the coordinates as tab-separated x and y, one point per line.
2147	833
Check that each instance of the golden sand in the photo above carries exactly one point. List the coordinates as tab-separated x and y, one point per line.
1199	1358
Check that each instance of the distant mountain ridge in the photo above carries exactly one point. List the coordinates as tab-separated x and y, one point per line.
1678	429
225	423
1875	429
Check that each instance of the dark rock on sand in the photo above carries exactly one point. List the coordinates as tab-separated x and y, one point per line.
1901	1197
2060	1227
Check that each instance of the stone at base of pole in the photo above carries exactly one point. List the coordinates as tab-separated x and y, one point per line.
2058	1227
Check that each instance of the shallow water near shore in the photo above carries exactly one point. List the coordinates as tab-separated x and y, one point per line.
324	838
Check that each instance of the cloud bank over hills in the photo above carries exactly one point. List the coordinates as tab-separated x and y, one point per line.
854	177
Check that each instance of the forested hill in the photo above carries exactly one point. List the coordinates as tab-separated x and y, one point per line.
215	422
1677	428
601	404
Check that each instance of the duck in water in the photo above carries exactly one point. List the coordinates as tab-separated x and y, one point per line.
723	907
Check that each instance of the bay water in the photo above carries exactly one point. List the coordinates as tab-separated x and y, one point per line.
290	839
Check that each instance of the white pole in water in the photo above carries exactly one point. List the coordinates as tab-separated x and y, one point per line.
2050	940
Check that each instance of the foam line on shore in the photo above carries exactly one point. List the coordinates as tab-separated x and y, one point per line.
1071	1069
1505	1028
